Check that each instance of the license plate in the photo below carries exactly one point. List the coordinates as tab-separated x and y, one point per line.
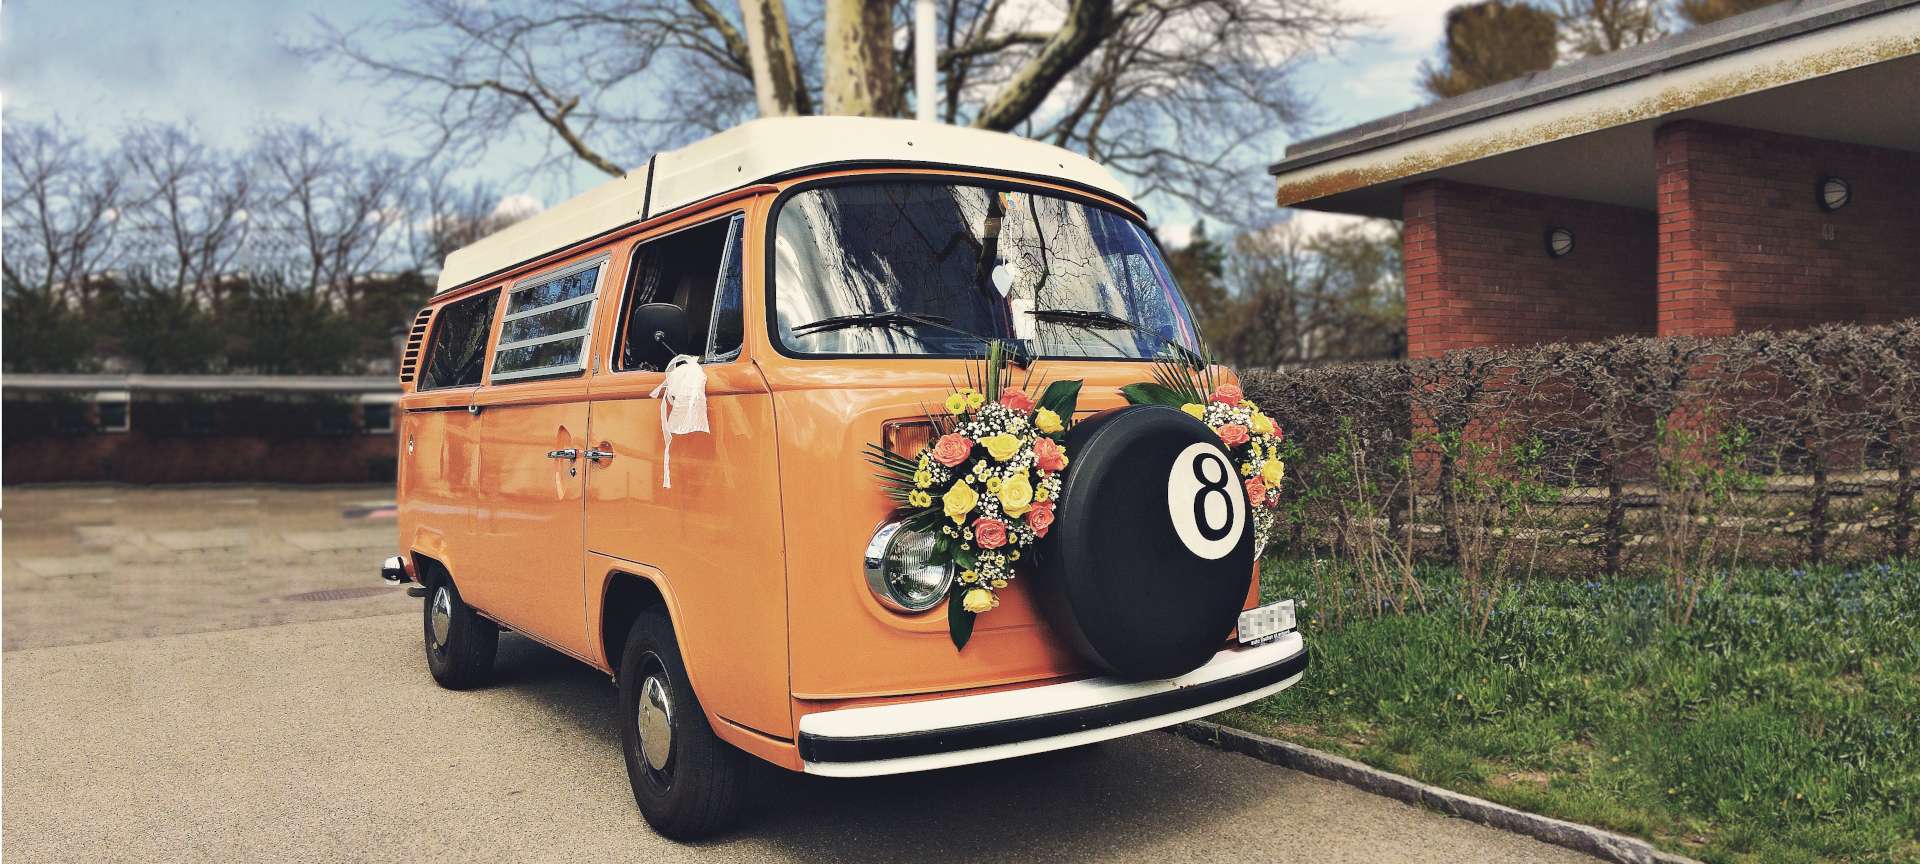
1266	622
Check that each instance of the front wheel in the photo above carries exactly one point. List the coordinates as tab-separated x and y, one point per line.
688	783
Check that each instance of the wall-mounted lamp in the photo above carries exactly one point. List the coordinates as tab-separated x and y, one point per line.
1559	242
1834	193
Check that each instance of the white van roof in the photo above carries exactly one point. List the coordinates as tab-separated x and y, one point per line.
761	150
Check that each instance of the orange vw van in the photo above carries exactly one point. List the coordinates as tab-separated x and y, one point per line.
751	590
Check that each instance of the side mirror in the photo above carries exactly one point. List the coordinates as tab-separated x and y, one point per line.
656	333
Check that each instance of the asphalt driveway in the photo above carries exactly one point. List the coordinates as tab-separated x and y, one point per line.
308	729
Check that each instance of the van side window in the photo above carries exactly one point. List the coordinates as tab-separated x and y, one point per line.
547	323
457	353
723	340
697	269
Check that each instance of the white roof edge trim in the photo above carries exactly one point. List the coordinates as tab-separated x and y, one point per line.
1858	43
755	151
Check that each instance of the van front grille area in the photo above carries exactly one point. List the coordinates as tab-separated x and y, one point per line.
416	339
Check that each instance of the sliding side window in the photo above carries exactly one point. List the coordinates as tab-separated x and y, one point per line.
548	323
697	269
457	353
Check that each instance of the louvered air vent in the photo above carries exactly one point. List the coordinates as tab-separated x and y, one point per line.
416	341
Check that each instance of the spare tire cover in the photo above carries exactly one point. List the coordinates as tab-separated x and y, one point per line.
1149	560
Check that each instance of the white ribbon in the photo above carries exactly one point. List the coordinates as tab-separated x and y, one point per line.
683	410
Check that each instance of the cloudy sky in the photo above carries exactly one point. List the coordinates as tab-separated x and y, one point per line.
222	65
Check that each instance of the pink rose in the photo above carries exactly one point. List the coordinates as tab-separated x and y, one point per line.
1228	394
989	533
1018	400
1047	455
952	449
1256	489
1040	518
1233	434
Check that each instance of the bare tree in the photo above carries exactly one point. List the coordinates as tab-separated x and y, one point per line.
1295	297
446	215
779	89
188	209
1181	94
860	78
333	211
62	214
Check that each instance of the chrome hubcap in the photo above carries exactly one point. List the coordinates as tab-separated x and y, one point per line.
441	616
656	722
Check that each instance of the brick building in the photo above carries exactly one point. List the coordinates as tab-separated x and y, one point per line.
198	428
1759	172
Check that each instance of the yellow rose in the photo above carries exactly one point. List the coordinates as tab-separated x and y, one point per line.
918	498
959	502
1016	495
956	403
1198	410
1262	424
1047	421
1273	472
923	478
978	600
1001	447
976	398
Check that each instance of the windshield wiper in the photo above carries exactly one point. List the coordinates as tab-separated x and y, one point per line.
903	320
878	319
1104	320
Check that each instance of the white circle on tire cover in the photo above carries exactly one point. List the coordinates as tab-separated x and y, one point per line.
1205	501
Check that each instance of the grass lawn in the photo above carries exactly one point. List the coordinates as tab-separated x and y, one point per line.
1782	724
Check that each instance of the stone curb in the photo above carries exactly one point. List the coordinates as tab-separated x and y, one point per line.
1605	845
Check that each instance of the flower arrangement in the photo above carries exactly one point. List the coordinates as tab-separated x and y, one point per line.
1252	439
987	483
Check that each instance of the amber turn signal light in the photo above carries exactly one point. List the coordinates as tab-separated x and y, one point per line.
906	437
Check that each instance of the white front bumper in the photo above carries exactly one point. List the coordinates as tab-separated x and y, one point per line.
959	730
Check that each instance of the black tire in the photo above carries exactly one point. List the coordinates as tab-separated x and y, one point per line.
699	786
461	655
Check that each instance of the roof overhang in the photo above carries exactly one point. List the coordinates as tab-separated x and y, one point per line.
1843	70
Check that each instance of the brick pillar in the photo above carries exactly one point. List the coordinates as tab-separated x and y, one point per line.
1478	273
1745	244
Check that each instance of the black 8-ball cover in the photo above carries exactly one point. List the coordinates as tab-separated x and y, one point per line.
1150	556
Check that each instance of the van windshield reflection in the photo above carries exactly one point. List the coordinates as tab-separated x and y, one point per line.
908	267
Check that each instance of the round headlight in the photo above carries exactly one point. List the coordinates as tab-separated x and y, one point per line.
901	570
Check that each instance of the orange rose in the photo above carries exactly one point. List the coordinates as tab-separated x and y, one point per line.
1040	518
1047	455
1228	394
1256	489
989	533
1233	434
952	449
1018	400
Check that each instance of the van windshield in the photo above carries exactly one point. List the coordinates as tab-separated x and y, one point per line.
911	267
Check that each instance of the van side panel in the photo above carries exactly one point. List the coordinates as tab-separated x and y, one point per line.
439	468
714	536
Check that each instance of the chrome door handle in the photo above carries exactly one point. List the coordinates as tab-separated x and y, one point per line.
567	454
597	455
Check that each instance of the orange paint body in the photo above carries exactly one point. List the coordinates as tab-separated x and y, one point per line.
757	547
